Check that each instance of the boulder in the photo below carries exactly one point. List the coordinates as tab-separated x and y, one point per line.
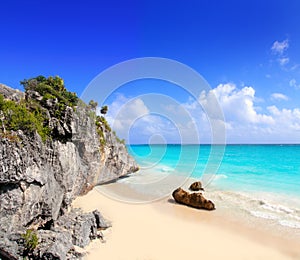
195	200
196	186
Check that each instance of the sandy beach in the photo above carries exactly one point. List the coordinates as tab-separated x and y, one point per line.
165	230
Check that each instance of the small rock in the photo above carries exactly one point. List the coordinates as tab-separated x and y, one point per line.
196	186
195	200
101	222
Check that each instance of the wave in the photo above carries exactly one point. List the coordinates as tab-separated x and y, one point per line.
269	208
278	208
291	224
220	176
165	169
261	214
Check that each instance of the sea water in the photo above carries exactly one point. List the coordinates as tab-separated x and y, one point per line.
261	180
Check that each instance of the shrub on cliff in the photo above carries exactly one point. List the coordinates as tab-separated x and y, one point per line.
51	87
53	93
17	116
104	110
46	98
32	114
30	240
93	104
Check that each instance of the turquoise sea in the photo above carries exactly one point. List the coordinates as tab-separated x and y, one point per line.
263	181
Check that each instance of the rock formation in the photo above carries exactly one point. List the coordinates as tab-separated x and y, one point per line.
12	94
196	186
39	178
195	200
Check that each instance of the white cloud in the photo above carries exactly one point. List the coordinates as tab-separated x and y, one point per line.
280	47
288	120
238	104
283	61
123	112
137	122
279	96
295	67
245	122
293	83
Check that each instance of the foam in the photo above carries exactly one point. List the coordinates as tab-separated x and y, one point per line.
264	215
291	224
220	176
253	205
166	169
277	208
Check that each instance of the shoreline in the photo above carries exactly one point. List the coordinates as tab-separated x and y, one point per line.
167	230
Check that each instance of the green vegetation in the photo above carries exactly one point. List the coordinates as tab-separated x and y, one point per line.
31	115
93	104
45	98
23	116
103	125
100	123
104	110
101	120
52	89
122	141
30	240
102	137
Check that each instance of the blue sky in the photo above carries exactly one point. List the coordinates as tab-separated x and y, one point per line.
248	51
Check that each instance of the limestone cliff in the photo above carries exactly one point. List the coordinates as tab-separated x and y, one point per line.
40	177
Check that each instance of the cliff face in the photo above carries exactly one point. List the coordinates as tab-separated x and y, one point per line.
39	179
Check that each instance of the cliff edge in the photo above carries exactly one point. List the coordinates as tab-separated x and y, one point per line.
53	148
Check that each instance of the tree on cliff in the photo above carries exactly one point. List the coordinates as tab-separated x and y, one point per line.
44	97
93	104
104	110
51	87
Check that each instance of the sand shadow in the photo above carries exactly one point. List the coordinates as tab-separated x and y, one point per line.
114	180
172	201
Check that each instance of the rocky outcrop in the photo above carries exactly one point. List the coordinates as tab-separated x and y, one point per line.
196	186
115	161
195	200
12	94
40	179
61	241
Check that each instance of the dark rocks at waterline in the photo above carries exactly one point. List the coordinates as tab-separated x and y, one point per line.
195	200
196	186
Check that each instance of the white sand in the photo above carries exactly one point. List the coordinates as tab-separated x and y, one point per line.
164	230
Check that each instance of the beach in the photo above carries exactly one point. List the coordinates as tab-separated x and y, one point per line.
166	230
